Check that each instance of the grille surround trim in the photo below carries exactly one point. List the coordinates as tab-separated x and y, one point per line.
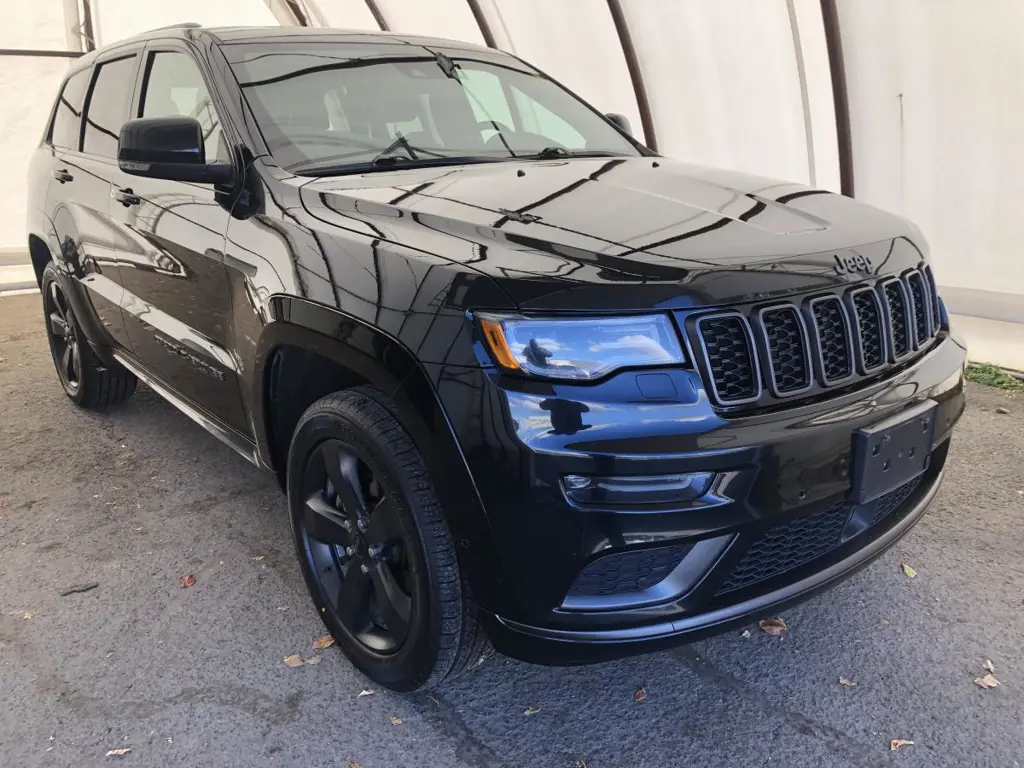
766	349
752	346
819	357
851	306
890	336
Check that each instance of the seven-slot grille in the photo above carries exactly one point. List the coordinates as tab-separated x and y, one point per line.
825	341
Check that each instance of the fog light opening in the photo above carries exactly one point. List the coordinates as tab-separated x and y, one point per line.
638	490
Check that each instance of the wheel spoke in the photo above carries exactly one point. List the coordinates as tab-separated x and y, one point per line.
67	359
58	325
353	604
395	606
343	472
326	523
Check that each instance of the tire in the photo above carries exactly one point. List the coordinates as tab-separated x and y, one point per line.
424	631
85	379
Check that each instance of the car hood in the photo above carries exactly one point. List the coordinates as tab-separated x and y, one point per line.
621	233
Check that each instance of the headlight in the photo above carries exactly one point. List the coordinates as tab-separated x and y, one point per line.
580	348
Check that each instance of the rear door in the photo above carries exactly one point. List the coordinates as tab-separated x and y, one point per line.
177	303
93	105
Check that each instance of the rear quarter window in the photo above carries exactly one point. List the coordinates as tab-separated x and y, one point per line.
67	117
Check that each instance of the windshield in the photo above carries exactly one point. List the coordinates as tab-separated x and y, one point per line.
349	107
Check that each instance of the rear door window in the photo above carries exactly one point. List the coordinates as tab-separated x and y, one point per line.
109	102
67	117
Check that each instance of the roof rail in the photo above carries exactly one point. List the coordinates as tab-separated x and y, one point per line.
182	25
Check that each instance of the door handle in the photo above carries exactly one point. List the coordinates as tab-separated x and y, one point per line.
62	175
126	197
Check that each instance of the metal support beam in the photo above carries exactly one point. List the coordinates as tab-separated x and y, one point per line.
72	26
481	21
378	16
636	75
844	129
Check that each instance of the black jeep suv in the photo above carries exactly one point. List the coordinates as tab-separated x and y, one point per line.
521	378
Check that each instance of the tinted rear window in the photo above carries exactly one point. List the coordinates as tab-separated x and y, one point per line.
109	103
67	119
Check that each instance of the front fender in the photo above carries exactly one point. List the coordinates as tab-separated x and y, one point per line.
392	369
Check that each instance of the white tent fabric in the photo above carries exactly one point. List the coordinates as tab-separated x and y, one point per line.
934	105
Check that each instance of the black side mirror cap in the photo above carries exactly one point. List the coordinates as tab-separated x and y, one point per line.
169	148
620	121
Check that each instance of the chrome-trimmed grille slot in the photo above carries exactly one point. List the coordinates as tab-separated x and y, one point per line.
786	350
833	350
728	346
869	329
933	291
894	295
921	303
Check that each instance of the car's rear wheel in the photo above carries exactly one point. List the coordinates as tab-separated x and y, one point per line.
373	546
85	379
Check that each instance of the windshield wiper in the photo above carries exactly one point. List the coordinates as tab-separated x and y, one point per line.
384	157
551	153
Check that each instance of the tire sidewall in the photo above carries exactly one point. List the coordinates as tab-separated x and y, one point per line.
414	661
78	394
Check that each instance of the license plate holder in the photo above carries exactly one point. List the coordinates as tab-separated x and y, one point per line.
892	452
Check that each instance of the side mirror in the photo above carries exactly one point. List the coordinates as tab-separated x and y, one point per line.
169	148
620	122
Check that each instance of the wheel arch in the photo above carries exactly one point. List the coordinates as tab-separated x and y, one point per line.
337	351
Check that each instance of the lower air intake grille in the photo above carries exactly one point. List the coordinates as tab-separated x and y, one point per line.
730	357
626	572
800	541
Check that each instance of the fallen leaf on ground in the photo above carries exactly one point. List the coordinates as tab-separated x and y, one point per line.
986	682
313	660
323	642
641	694
745	634
989	666
365	692
355	765
396	720
186	581
283	607
908	571
579	764
259	557
531	710
29	614
3	359
75	588
293	660
119	752
848	683
897	743
1000	409
773	627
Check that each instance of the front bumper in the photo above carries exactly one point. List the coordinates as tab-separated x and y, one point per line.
772	470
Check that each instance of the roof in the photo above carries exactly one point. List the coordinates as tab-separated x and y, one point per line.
231	35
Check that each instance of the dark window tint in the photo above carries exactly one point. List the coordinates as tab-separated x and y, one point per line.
67	119
108	106
174	88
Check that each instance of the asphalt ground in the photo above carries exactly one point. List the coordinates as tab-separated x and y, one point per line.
134	498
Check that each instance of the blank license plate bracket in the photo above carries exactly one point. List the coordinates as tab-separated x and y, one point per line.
892	452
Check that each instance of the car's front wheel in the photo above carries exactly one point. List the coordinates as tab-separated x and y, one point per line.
373	546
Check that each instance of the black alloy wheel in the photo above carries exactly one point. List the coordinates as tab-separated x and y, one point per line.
62	332
374	546
355	545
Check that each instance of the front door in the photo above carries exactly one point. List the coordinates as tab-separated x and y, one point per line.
177	303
